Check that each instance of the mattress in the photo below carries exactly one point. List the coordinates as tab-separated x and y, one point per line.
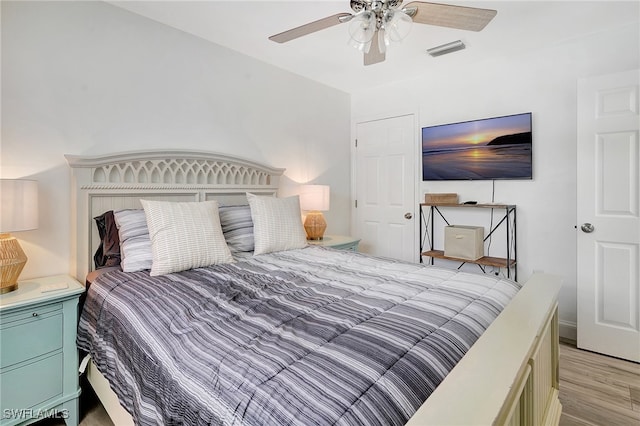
313	336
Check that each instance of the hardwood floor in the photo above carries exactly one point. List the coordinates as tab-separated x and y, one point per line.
597	389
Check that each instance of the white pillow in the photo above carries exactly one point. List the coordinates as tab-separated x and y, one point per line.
184	235
277	223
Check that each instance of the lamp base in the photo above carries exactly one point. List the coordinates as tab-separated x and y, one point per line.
8	289
12	260
315	225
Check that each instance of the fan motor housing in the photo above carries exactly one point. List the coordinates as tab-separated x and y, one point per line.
360	5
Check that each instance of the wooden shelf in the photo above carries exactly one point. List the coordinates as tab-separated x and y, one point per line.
497	262
482	206
508	213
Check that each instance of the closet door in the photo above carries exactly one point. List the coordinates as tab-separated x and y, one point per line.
386	182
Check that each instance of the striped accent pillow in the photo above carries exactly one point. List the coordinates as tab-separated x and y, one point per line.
135	245
185	235
277	223
237	227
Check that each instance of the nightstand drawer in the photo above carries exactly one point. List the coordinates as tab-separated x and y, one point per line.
32	384
30	334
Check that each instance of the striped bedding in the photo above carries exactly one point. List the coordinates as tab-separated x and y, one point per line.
308	337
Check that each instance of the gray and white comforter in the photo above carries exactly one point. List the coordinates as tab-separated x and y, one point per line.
310	337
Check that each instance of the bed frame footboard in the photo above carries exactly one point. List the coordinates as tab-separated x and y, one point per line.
510	375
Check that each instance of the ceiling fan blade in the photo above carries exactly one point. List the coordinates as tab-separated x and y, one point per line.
311	27
445	15
374	55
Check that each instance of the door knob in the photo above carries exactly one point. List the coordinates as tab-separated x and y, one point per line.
408	215
587	227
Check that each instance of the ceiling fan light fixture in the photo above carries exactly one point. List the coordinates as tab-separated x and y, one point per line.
375	23
363	27
443	49
397	24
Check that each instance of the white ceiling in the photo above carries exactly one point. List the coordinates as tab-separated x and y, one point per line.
324	56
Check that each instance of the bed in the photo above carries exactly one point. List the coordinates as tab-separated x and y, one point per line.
506	374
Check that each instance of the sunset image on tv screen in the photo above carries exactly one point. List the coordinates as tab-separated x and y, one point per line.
492	148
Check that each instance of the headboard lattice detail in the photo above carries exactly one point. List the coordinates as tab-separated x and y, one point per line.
180	171
173	168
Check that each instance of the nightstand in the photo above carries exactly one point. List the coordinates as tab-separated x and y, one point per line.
38	354
340	242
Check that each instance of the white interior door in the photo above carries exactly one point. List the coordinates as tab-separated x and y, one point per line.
385	187
608	215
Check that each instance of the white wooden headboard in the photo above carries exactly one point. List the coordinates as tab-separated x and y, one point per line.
119	181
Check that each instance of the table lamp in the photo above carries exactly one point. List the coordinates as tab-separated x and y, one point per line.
314	199
18	212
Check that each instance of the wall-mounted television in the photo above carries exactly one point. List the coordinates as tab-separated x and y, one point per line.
485	149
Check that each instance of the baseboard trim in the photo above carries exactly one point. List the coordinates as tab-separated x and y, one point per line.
568	330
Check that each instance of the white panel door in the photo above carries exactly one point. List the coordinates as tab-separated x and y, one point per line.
608	215
385	187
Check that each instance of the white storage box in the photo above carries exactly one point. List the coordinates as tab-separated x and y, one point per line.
464	242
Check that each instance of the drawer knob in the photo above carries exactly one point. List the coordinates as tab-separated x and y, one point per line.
35	314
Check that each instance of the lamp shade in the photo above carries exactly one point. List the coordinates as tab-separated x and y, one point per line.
18	205
314	197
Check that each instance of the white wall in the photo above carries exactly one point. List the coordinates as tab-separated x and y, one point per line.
90	78
544	83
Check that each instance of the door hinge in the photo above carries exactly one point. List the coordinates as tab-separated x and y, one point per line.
356	204
356	143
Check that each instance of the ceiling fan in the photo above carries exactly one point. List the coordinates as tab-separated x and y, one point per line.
376	23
